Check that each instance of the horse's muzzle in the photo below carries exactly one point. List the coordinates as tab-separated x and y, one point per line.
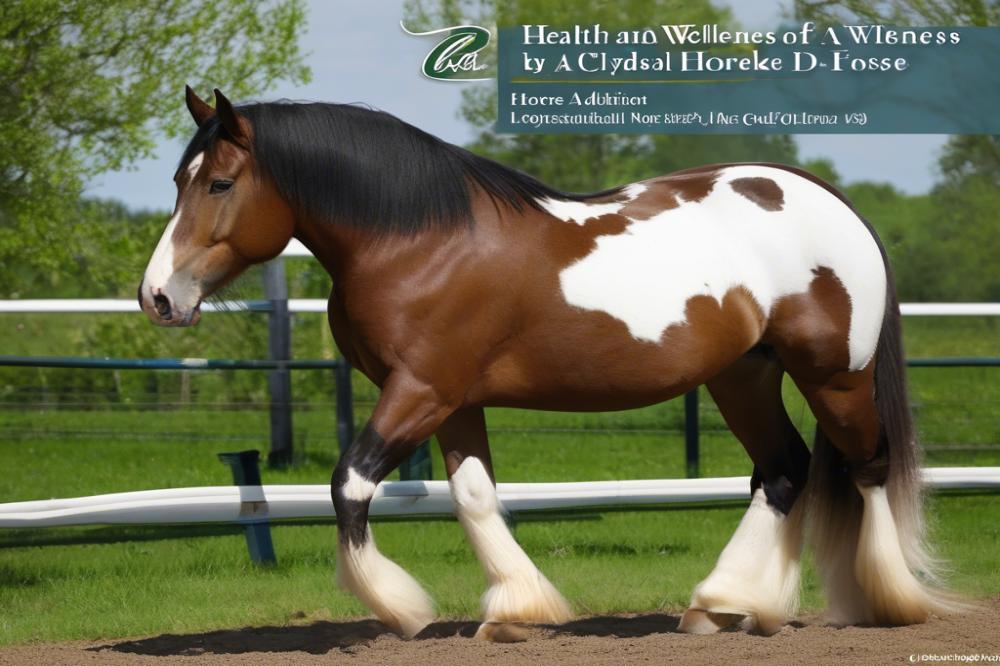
162	311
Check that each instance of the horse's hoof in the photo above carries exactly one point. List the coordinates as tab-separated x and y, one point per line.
696	621
504	632
764	625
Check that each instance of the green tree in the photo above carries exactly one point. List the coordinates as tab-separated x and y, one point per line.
971	155
900	12
902	222
966	228
822	167
89	86
945	244
590	162
111	242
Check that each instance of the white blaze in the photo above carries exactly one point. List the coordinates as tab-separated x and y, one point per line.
160	276
195	164
161	264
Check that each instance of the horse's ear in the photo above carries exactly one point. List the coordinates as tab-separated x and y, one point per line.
199	108
235	125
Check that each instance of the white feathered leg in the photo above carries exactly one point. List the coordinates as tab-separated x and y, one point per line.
893	594
757	574
381	584
384	587
518	592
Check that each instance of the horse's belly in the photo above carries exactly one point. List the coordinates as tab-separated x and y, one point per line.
582	360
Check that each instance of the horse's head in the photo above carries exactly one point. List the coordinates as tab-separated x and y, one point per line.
228	216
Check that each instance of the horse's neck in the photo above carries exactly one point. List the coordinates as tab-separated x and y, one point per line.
334	246
350	254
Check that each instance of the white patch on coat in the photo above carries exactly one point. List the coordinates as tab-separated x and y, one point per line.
633	190
518	592
357	488
646	275
581	211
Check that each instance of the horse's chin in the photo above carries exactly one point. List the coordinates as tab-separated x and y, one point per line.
178	320
191	318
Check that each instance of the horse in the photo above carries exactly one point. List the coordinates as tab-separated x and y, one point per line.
460	283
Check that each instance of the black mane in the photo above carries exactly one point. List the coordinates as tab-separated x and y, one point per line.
367	168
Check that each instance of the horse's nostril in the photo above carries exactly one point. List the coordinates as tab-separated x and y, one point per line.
162	304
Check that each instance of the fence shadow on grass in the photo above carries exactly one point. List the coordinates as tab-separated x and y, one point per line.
322	637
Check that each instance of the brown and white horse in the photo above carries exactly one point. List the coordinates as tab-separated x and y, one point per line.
459	283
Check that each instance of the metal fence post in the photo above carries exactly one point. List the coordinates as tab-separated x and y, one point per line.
691	433
245	467
418	466
279	345
345	404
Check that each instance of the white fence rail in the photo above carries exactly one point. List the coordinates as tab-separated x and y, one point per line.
102	305
248	504
97	305
297	249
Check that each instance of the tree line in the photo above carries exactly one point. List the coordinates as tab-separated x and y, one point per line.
89	86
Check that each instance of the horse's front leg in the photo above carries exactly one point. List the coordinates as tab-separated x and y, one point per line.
407	413
518	592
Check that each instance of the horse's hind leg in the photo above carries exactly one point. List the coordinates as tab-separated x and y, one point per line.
847	440
866	529
757	573
517	591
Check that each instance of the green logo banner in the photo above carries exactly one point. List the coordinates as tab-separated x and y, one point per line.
456	56
687	79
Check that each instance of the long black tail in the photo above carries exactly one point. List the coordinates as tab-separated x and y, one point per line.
866	525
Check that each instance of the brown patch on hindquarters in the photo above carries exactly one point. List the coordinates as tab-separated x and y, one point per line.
810	333
810	330
668	192
693	184
762	191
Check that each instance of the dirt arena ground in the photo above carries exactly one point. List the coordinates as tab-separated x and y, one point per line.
970	638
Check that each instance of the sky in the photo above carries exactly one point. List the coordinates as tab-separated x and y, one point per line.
358	53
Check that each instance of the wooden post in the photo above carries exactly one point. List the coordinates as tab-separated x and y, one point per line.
279	345
691	433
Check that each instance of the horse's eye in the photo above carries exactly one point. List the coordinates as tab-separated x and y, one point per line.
219	186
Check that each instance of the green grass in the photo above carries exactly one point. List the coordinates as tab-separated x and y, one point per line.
162	582
112	582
